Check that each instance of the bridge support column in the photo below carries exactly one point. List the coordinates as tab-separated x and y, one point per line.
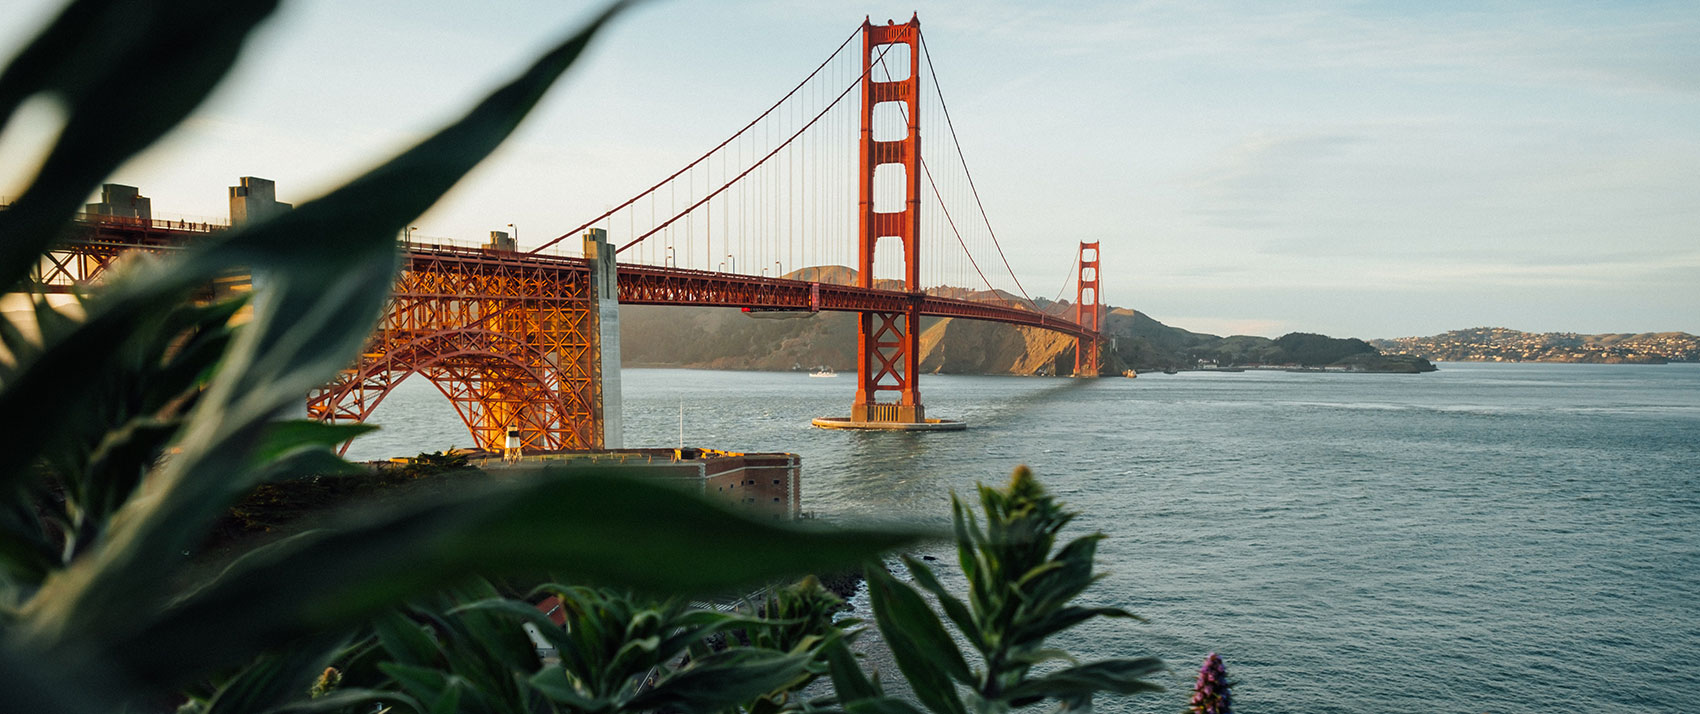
1087	311
888	344
604	282
889	348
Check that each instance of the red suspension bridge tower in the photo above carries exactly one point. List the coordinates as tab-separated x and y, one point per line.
1087	312
888	344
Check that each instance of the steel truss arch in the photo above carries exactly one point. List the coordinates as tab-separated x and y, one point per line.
477	370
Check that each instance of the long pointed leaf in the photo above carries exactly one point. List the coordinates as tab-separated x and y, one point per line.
555	685
953	607
1113	676
1032	632
724	679
330	264
404	640
919	642
847	677
274	679
347	700
599	528
881	705
150	62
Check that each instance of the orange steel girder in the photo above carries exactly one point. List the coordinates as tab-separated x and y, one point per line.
888	344
1087	313
508	339
95	246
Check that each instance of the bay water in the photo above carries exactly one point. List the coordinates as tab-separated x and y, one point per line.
1486	538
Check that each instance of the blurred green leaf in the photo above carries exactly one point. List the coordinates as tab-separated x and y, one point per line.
723	679
329	266
847	677
274	679
283	437
599	528
1057	621
347	700
26	556
306	448
438	691
1049	588
127	72
554	683
66	370
1117	676
953	607
405	640
923	649
881	705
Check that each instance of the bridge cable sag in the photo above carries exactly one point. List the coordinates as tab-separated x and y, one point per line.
739	177
705	156
943	208
931	70
1069	277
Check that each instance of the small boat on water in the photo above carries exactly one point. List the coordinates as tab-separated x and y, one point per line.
823	371
1130	374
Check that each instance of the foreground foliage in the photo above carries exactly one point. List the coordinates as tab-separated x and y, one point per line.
1020	588
164	413
462	649
98	521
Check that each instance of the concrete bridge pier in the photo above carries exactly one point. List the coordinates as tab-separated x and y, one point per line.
605	310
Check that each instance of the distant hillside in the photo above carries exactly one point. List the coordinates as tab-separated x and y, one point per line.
725	338
1499	344
1145	344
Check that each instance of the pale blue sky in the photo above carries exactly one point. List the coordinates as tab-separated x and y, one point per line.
1363	169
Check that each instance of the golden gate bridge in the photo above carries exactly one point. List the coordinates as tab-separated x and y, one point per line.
834	173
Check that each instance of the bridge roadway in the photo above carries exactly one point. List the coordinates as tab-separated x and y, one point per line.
651	285
102	241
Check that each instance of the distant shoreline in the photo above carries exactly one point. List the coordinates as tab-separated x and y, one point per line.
1634	363
1500	344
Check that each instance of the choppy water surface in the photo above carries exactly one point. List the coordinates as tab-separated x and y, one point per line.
1504	538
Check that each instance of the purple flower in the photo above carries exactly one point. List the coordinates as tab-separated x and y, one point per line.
1210	694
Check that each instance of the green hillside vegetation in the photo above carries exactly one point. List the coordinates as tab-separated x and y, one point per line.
725	338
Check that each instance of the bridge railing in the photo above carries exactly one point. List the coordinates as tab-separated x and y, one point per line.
181	223
197	224
474	249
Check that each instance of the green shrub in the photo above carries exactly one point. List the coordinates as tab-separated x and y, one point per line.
1020	587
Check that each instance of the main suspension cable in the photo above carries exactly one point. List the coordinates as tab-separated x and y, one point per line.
971	187
753	167
710	152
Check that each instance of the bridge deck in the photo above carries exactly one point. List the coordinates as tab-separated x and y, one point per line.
102	241
650	285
